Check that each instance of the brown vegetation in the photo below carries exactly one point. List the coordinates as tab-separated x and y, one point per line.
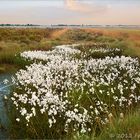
13	41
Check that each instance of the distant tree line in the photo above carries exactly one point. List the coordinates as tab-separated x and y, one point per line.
18	25
69	25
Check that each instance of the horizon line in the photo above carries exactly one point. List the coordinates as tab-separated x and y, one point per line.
63	24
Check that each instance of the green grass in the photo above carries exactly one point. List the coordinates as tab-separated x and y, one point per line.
39	129
14	41
120	128
125	128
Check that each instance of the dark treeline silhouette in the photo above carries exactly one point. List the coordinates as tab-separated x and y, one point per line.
68	25
18	25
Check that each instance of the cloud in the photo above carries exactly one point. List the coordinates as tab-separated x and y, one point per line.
81	7
77	6
70	12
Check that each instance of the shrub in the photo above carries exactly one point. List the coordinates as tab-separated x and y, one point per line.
78	35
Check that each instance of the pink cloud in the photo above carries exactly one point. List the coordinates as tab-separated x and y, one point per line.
78	6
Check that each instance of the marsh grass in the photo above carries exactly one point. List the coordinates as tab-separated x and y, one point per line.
38	127
14	41
118	128
127	127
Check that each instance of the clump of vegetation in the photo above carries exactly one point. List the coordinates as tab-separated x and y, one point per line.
124	127
71	75
24	35
105	39
14	41
99	50
60	94
78	35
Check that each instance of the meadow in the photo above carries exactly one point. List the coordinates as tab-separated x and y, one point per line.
72	83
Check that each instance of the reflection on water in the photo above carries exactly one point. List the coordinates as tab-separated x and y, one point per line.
70	11
3	116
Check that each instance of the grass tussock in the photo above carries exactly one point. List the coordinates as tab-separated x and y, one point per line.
123	127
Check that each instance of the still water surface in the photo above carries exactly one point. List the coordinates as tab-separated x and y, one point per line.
3	116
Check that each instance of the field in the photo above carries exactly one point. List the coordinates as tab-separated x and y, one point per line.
72	83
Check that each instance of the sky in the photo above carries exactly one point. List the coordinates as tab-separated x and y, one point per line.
46	12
